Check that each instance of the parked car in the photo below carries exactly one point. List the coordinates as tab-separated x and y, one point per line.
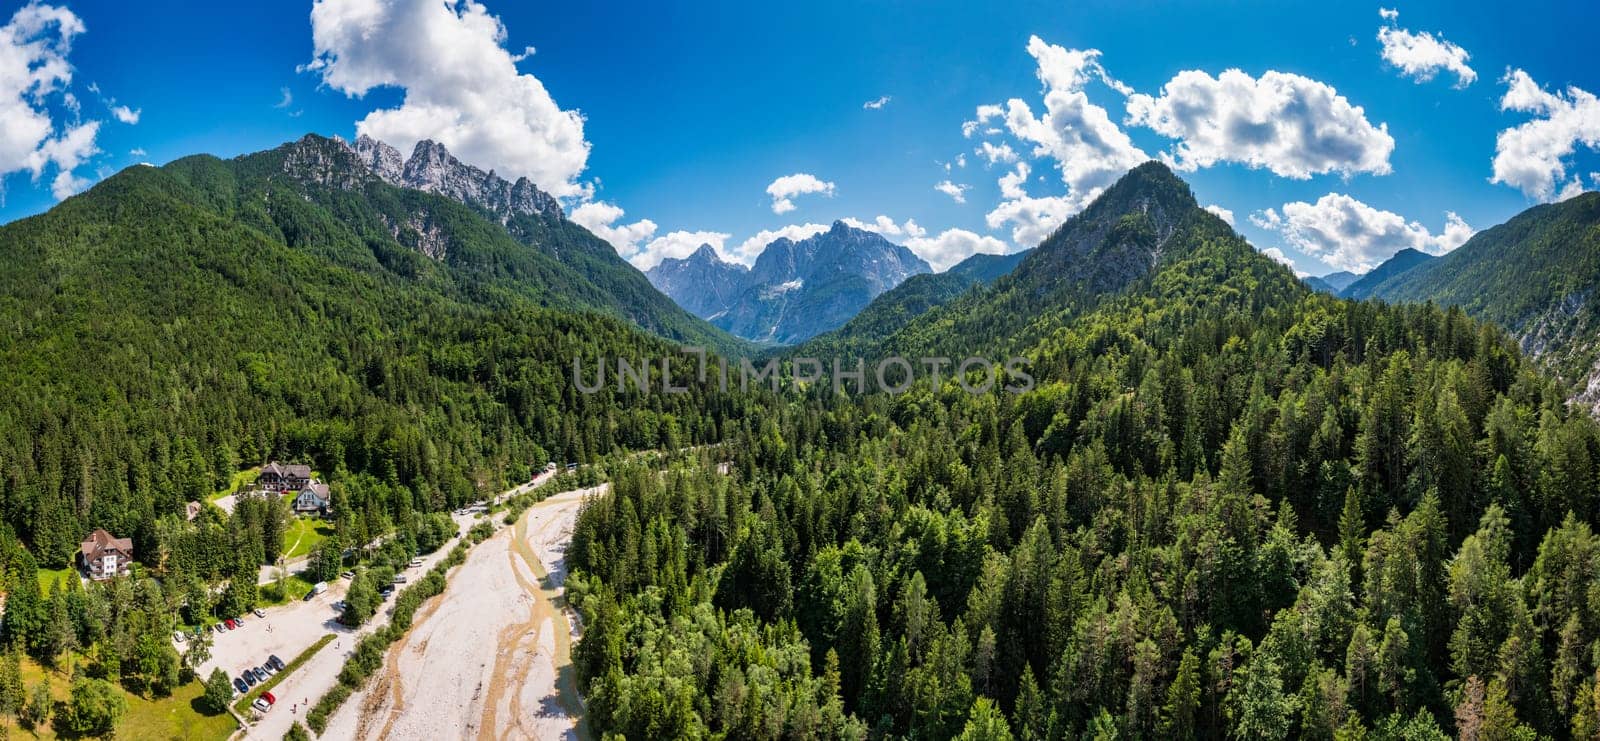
269	698
348	575
239	621
260	613
399	578
261	674
177	635
261	704
217	627
276	662
230	624
310	595
415	562
249	677
386	592
240	685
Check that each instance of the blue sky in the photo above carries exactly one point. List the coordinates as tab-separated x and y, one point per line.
662	127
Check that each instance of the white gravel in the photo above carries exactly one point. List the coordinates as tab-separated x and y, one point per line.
484	659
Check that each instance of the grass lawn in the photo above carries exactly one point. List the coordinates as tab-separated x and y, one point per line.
242	705
239	481
49	577
304	535
174	717
295	587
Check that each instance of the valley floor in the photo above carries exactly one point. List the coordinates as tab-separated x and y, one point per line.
491	656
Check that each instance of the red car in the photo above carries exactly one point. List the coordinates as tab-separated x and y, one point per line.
231	625
269	698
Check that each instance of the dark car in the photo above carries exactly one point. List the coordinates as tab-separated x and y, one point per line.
239	684
249	677
311	594
276	662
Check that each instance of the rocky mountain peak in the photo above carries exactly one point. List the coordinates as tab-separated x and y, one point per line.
431	168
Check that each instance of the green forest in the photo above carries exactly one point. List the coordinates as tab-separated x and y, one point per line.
1230	509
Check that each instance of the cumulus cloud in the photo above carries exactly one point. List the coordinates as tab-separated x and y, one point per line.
783	190
1533	156
34	70
956	191
941	250
1282	259
1420	56
125	114
952	246
1350	235
748	250
462	87
287	99
997	154
601	218
1293	126
1222	213
875	104
1086	147
678	244
888	227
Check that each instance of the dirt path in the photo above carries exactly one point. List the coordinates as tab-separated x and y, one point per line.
489	658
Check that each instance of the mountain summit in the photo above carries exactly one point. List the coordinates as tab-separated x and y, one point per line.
796	289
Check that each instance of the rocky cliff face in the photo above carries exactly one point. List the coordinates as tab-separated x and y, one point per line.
430	168
796	289
703	283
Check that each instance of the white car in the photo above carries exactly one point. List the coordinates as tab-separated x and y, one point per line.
261	704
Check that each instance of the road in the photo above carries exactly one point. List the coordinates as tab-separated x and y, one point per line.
287	630
491	657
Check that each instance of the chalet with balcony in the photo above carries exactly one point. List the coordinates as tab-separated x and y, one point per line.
104	556
282	477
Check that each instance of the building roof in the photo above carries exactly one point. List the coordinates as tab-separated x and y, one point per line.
287	470
100	540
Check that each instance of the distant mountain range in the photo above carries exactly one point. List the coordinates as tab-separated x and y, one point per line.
1536	275
1145	232
1397	263
796	289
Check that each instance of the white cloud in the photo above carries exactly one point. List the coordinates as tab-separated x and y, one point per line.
462	87
873	105
287	99
1293	126
1222	213
136	152
784	189
956	191
1532	156
125	114
952	246
1088	149
1388	14
601	218
995	154
679	244
34	46
1420	56
887	227
1350	235
748	250
1282	259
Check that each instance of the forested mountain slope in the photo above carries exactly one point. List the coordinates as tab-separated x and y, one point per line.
896	307
1534	275
1397	264
175	324
1231	508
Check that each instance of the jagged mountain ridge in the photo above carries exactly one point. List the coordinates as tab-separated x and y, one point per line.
703	282
493	234
796	289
